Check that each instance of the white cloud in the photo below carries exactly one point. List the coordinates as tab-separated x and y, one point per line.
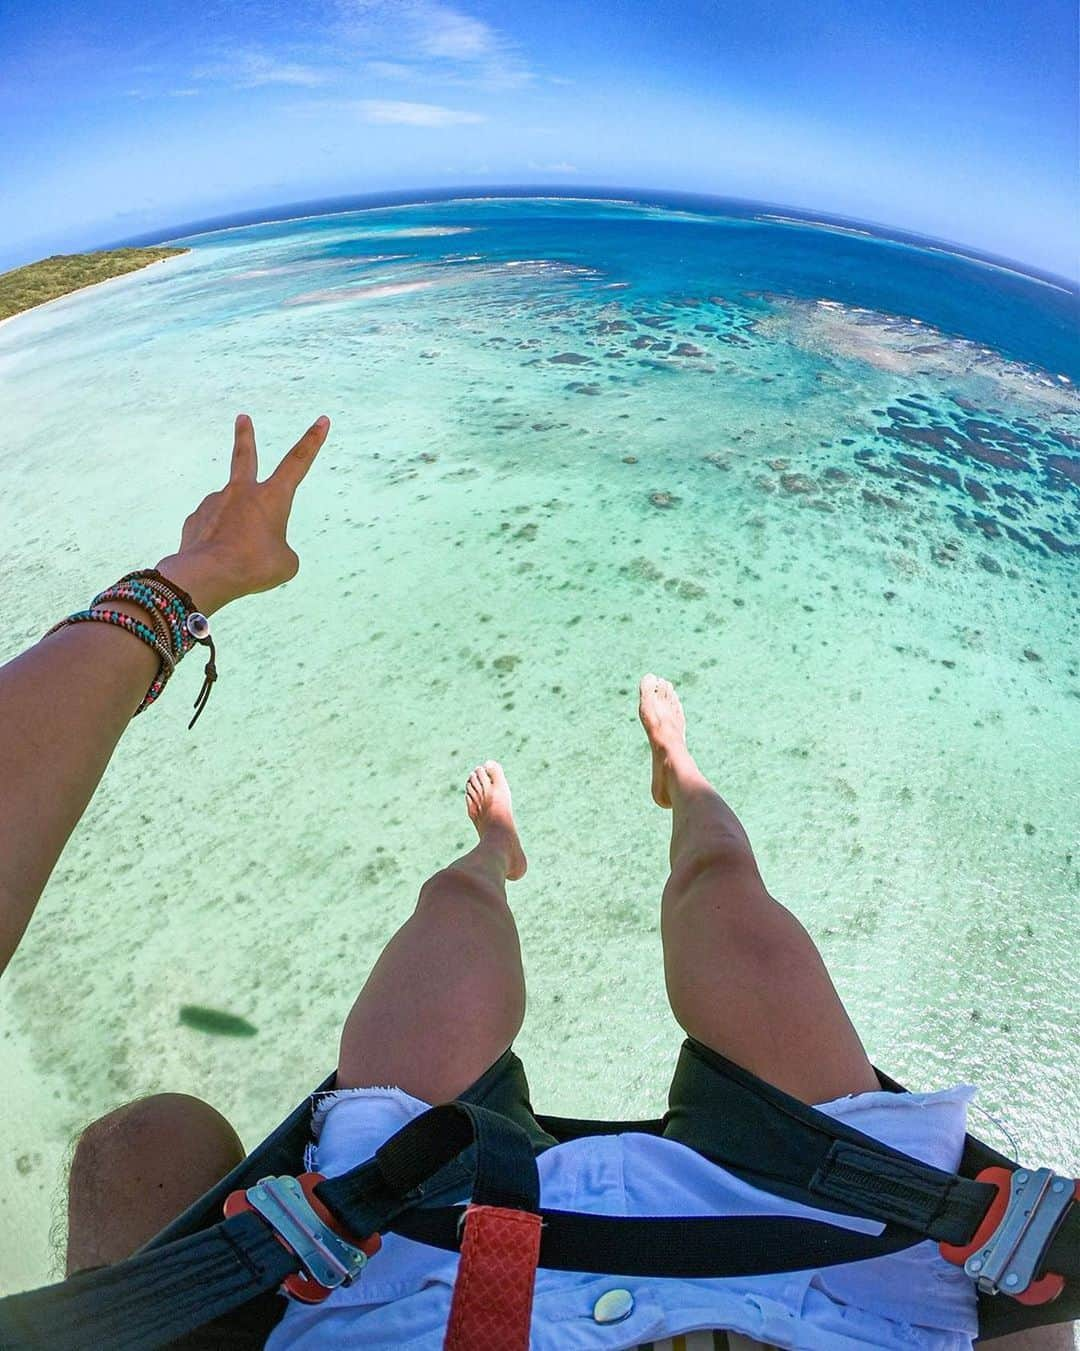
433	40
447	32
418	43
252	68
161	93
559	168
392	111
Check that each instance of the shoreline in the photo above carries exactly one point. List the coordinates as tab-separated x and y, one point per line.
92	286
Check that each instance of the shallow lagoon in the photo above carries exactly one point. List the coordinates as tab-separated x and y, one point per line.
827	484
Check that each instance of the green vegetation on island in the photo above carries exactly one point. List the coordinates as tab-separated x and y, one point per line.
24	287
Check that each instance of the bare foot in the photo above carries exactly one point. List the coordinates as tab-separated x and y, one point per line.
487	799
662	716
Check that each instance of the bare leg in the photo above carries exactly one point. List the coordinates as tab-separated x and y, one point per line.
1057	1337
139	1167
447	996
743	976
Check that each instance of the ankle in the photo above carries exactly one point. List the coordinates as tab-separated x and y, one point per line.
678	763
497	837
683	778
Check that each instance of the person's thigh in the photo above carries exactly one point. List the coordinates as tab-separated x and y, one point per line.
445	999
1060	1337
139	1167
745	978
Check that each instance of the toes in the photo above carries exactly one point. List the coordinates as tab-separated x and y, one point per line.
496	776
479	786
664	692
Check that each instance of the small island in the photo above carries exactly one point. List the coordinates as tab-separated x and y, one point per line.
23	288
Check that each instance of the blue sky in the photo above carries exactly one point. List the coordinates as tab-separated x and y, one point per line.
957	120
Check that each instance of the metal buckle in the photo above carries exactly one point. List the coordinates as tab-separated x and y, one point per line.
329	1259
1008	1260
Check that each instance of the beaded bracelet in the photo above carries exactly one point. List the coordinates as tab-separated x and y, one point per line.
166	664
177	626
159	625
193	626
155	593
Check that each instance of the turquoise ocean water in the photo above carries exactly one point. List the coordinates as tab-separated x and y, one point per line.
825	481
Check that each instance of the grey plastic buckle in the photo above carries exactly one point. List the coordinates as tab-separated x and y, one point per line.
327	1258
1008	1262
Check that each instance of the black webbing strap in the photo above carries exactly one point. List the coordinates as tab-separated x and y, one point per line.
676	1246
941	1205
153	1298
1063	1254
163	1292
565	1128
853	1175
368	1198
787	1148
385	1194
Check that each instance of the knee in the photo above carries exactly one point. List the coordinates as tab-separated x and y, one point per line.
137	1168
457	884
723	858
162	1126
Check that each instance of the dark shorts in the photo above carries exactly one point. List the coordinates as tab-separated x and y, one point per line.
704	1089
696	1089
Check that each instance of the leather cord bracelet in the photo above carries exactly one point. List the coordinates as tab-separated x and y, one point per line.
150	636
176	625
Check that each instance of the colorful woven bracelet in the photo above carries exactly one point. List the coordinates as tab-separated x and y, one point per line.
193	627
159	598
177	626
138	629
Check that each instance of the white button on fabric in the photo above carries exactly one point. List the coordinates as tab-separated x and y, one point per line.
613	1306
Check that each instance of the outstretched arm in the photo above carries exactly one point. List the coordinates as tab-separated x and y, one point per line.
65	702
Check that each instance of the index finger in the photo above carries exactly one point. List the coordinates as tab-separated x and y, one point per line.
290	472
245	463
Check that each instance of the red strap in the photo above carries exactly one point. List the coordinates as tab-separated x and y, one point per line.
493	1294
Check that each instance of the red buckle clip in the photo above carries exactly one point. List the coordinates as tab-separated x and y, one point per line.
1008	1246
301	1223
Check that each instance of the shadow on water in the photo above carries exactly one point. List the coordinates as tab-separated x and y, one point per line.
216	1021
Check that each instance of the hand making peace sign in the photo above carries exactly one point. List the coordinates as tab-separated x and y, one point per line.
234	543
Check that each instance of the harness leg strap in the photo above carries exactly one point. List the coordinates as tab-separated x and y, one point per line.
493	1293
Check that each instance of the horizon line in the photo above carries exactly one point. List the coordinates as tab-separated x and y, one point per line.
286	212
